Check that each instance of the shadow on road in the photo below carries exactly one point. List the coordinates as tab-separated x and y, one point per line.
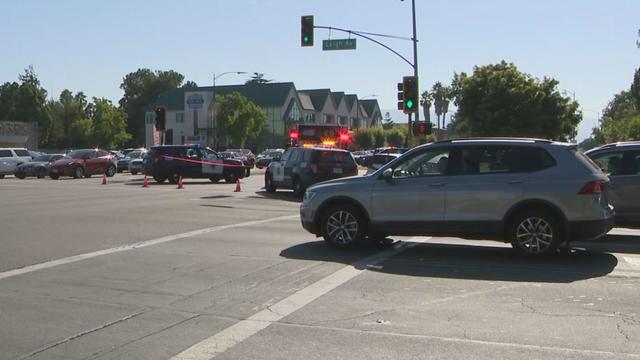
278	195
614	243
468	262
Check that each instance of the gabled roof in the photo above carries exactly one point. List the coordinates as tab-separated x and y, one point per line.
263	95
370	106
337	97
318	97
305	101
351	100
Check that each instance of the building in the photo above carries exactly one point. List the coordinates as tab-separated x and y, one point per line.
191	119
19	134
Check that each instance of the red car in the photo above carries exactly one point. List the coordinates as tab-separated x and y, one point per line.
84	162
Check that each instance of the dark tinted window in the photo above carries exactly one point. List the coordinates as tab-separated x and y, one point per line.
102	153
22	153
6	153
491	159
46	157
332	156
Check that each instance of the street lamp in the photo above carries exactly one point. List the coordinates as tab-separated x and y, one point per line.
597	114
213	100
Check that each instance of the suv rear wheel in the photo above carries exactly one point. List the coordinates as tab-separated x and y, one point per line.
268	183
343	226
173	177
535	233
159	179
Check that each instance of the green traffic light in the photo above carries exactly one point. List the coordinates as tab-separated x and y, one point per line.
410	104
305	39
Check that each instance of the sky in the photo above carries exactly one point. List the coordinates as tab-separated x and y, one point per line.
587	45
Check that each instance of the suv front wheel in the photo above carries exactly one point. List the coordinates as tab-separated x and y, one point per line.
535	233
343	227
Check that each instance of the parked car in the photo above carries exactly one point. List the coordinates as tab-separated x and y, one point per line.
536	194
10	158
135	165
251	158
378	160
621	161
366	160
265	157
299	168
124	163
228	154
190	161
84	162
38	167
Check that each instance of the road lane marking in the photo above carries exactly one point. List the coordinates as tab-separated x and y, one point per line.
632	260
235	334
138	245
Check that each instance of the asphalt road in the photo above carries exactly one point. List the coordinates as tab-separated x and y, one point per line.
117	271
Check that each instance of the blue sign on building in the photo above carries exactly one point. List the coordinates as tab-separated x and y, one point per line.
195	101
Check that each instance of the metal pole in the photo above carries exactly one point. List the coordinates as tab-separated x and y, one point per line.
214	135
415	53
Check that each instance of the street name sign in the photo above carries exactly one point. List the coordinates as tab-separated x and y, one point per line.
339	44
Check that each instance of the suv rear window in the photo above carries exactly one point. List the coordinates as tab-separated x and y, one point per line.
492	159
6	153
323	156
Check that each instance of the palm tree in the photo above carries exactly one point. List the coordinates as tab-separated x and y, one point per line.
437	95
426	100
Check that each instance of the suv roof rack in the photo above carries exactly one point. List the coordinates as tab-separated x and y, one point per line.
498	138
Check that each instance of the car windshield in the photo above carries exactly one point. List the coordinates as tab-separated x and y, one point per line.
136	154
79	154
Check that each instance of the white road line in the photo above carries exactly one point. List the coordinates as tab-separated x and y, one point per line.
138	245
233	335
632	260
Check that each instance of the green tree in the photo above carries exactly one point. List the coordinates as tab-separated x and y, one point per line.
238	118
387	122
25	101
109	124
426	100
190	85
379	137
82	133
141	88
441	95
62	114
499	100
257	78
364	138
395	137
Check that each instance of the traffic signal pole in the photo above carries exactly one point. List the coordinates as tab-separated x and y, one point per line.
415	64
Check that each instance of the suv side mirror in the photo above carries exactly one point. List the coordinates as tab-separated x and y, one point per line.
387	174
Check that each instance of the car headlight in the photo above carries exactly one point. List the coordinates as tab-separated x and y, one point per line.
309	195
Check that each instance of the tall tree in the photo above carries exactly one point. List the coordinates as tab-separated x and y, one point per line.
190	85
62	114
238	118
109	124
387	122
426	100
499	100
141	88
257	78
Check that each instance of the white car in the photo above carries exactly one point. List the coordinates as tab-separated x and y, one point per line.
10	158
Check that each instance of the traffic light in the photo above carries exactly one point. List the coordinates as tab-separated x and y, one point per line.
161	118
400	96
422	128
410	94
307	31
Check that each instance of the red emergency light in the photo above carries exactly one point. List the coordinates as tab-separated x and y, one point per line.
344	136
293	134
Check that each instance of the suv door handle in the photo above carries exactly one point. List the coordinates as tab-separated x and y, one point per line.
514	181
437	184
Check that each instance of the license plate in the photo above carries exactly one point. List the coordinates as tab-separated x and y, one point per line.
337	170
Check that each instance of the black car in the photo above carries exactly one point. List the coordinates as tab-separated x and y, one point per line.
299	168
190	161
264	159
38	167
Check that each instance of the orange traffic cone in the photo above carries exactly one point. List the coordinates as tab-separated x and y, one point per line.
104	178
180	186
237	185
146	182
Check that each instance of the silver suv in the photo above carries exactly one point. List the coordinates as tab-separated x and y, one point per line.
621	161
536	194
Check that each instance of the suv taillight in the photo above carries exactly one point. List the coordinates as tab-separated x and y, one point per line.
592	187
